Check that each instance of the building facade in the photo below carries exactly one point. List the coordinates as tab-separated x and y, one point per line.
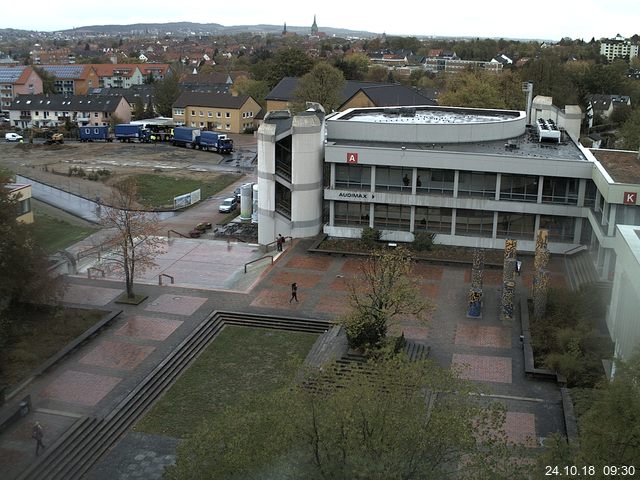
618	47
216	112
22	194
17	80
72	79
29	111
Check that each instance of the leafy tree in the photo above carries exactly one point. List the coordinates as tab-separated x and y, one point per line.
131	243
630	132
287	62
383	290
23	264
621	114
483	90
48	80
354	67
370	236
257	89
323	84
165	93
423	241
149	111
138	109
336	426
609	426
377	74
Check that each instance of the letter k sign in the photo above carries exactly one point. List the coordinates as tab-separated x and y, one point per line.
630	198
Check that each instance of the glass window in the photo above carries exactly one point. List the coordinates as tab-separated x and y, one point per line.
24	206
561	229
392	217
227	115
435	181
353	176
351	213
516	225
523	188
193	112
218	115
394	178
590	194
209	114
477	184
560	190
477	223
433	219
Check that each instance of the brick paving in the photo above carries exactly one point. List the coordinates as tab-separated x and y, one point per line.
484	368
149	328
109	366
116	355
80	387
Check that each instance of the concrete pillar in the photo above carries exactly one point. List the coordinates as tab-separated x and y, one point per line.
498	179
371	214
414	181
582	190
494	230
412	222
332	176
606	265
540	186
453	221
577	231
373	180
456	182
612	219
332	212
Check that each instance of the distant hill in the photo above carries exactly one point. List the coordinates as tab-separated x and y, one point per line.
189	28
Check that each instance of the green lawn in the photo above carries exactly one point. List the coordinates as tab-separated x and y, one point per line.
158	191
37	334
238	363
54	234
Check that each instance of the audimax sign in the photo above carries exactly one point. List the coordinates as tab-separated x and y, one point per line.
364	196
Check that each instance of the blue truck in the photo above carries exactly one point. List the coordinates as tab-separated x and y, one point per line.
185	137
215	142
194	138
126	132
91	134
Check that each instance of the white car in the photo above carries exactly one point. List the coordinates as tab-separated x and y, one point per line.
229	205
12	137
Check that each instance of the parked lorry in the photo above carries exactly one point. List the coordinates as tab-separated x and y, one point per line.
127	132
217	142
91	134
186	137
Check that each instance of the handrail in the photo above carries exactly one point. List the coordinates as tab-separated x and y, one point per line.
96	269
165	275
176	232
276	241
573	250
89	251
257	259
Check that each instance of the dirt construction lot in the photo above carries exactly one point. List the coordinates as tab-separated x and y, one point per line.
51	164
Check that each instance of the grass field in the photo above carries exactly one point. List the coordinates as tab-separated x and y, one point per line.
54	234
158	191
39	333
239	362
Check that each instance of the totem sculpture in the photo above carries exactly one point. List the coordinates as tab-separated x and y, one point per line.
541	275
508	279
475	292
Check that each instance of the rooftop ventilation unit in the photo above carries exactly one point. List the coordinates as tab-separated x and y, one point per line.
548	131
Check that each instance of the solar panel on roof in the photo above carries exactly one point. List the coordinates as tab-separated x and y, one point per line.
10	74
64	71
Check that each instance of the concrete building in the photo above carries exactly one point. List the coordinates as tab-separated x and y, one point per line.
17	80
569	117
72	79
28	111
618	47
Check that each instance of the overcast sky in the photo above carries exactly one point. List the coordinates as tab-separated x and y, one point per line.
478	18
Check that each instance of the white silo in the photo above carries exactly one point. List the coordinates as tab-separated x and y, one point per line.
254	214
246	201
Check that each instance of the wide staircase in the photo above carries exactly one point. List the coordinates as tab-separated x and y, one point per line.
580	270
73	454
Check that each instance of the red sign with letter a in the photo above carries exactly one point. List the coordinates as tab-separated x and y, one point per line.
630	198
352	158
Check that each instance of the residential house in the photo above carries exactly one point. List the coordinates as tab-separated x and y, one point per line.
215	82
21	193
28	111
502	59
131	94
354	94
444	64
213	111
18	80
73	79
604	105
118	75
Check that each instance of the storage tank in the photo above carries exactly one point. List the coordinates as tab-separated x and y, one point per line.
246	201
254	213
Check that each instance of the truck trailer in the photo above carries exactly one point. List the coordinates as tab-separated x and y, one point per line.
186	137
127	132
91	134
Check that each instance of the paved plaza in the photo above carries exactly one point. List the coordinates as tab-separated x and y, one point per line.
99	374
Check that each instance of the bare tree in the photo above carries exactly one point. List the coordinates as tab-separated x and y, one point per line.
131	243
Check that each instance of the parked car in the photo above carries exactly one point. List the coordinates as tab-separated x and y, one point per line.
229	205
12	137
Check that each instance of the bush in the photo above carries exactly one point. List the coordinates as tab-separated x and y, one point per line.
423	241
363	331
370	236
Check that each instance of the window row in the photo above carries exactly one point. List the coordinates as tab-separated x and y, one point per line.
475	223
523	188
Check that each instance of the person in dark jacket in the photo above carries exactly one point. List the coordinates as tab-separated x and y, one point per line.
294	292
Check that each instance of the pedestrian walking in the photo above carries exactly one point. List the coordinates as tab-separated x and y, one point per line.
37	433
294	292
279	242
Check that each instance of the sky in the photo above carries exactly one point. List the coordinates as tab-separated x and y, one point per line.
550	20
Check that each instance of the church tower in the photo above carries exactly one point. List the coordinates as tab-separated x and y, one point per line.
284	31
314	27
